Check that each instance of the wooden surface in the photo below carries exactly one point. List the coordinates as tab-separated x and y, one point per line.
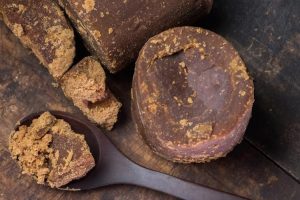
264	166
267	35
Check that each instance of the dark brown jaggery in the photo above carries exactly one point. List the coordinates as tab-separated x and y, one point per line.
50	151
192	96
115	31
42	27
85	85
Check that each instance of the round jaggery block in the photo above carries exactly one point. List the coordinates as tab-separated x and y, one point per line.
192	95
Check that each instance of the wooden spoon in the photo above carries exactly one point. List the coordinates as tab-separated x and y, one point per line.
112	167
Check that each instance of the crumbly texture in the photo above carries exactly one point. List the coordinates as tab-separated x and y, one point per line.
50	151
104	113
85	85
42	27
85	82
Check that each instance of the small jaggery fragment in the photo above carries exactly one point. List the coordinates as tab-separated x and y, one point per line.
85	81
50	151
85	85
104	113
42	27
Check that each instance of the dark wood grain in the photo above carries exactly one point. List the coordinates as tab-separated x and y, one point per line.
267	35
26	87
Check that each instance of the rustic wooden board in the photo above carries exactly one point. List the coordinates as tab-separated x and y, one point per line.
267	34
26	87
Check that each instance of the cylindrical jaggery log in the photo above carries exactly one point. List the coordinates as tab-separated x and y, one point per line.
115	30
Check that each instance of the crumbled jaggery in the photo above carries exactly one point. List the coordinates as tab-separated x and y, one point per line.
50	151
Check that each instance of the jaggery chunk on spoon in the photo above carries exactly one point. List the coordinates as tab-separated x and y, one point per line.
112	167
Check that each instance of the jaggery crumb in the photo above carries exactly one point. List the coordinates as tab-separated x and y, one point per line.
88	5
18	30
199	132
96	33
68	159
238	68
110	30
40	150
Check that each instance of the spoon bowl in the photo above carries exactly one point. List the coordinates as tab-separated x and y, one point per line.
112	167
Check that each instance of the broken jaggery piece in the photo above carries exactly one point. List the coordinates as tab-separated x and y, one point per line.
42	26
50	151
85	85
86	81
72	155
104	113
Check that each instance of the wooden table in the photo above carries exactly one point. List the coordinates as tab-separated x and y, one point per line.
266	165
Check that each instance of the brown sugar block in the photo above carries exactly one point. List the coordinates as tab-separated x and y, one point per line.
50	151
42	26
115	31
192	96
85	85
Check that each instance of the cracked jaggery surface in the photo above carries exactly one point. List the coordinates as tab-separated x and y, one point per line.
85	85
42	27
50	151
192	95
116	30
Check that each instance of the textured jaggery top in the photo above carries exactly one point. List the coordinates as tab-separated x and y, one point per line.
192	96
85	85
115	30
42	26
50	151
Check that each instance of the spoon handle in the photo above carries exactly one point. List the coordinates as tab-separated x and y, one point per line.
141	176
115	168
